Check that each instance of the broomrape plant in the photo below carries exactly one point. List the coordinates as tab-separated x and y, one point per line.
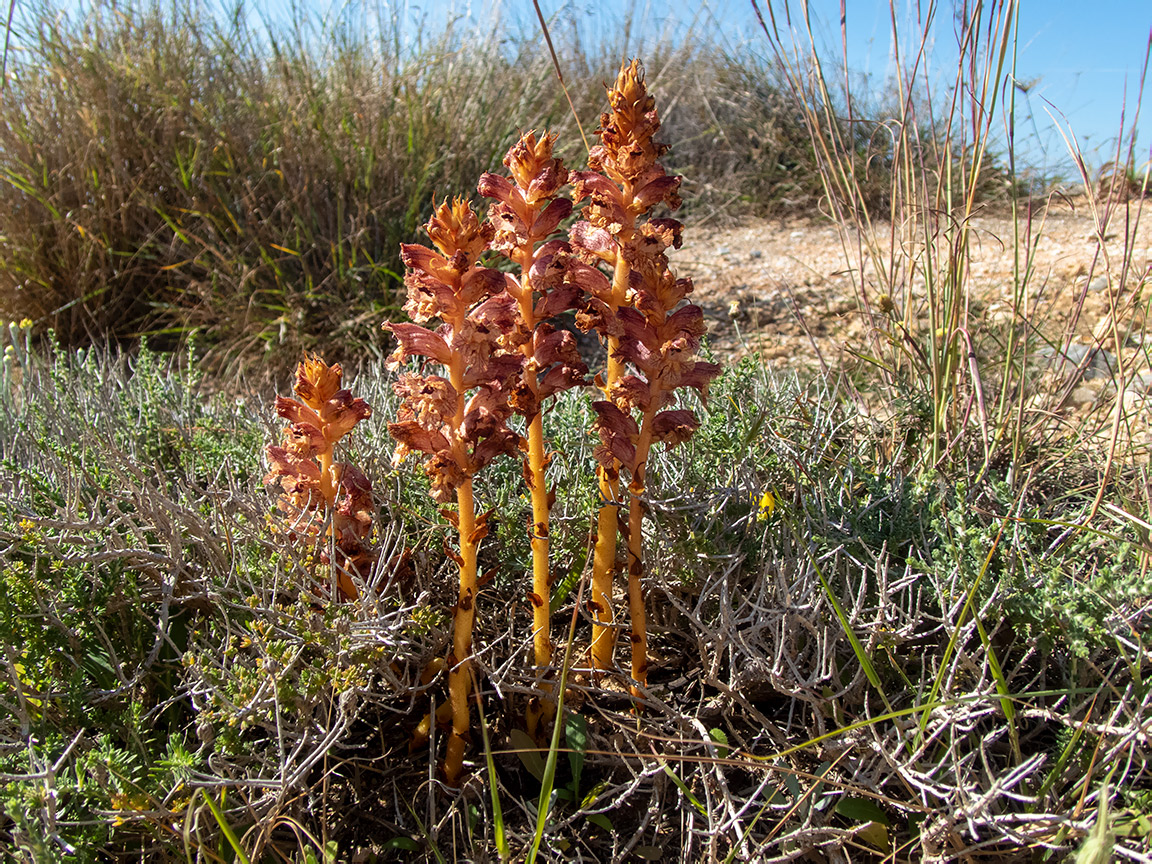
502	355
634	314
526	213
323	500
459	421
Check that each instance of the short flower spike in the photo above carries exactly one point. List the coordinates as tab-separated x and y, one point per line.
312	484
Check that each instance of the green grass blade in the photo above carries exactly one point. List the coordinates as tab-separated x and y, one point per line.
938	682
857	647
1001	688
493	788
683	787
225	828
545	800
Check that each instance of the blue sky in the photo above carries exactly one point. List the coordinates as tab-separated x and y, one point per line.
1080	60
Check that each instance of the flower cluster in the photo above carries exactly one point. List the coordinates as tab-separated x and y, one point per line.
313	485
493	350
459	432
652	338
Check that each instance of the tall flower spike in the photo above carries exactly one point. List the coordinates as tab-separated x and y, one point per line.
312	484
624	181
525	213
660	345
458	420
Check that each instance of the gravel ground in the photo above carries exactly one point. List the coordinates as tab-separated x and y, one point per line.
790	291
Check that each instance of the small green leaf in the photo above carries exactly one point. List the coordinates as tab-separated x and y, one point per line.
875	835
861	810
529	753
405	843
721	738
593	794
576	737
601	821
793	784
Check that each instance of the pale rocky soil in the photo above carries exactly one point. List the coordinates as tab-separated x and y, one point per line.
790	292
795	285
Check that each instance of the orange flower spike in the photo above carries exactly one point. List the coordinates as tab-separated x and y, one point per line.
525	213
457	419
324	410
455	230
623	182
644	329
311	483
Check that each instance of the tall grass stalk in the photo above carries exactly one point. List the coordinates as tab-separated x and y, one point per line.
940	160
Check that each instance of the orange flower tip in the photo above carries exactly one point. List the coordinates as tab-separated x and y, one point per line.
533	168
455	229
629	91
316	381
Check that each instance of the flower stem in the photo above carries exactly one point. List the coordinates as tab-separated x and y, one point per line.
459	677
607	518
459	662
541	572
636	610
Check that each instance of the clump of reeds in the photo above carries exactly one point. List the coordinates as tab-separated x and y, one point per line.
324	505
167	173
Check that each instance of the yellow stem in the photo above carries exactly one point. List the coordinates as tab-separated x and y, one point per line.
539	709
345	586
459	676
541	577
327	485
636	609
607	518
538	530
